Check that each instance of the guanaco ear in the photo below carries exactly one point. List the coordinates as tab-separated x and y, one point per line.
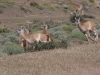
21	27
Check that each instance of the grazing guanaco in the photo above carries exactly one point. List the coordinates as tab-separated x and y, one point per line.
78	8
32	38
86	28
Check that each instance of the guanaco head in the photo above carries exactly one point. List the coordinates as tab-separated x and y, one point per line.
46	27
23	29
77	20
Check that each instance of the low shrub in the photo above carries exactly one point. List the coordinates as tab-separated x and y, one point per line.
21	24
40	6
51	45
3	5
34	4
65	10
52	7
68	28
76	33
56	5
65	6
13	38
58	32
70	7
12	48
4	29
89	16
10	3
24	8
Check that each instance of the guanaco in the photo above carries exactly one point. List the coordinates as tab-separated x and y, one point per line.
45	27
86	28
22	41
78	8
32	38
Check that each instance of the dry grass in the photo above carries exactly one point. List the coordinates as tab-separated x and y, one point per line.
79	60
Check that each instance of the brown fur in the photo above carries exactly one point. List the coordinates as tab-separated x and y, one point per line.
45	32
23	42
45	29
86	28
78	8
39	37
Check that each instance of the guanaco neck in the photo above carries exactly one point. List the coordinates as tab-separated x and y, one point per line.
45	30
81	29
26	36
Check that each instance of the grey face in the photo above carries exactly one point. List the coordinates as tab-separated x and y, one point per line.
46	26
77	20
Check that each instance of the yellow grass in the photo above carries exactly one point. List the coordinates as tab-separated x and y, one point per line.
78	60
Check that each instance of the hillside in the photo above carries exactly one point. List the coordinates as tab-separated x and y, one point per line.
16	12
79	58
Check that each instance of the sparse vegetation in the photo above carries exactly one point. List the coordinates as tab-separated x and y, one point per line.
21	24
39	6
3	5
24	8
52	7
4	29
89	16
77	34
70	7
68	28
10	3
12	48
58	32
34	4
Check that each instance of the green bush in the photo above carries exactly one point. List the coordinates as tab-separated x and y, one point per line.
65	10
10	3
58	32
40	6
76	33
51	45
89	16
4	29
65	6
24	8
13	38
70	7
52	7
21	24
56	5
68	28
44	46
3	5
3	39
12	48
34	4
